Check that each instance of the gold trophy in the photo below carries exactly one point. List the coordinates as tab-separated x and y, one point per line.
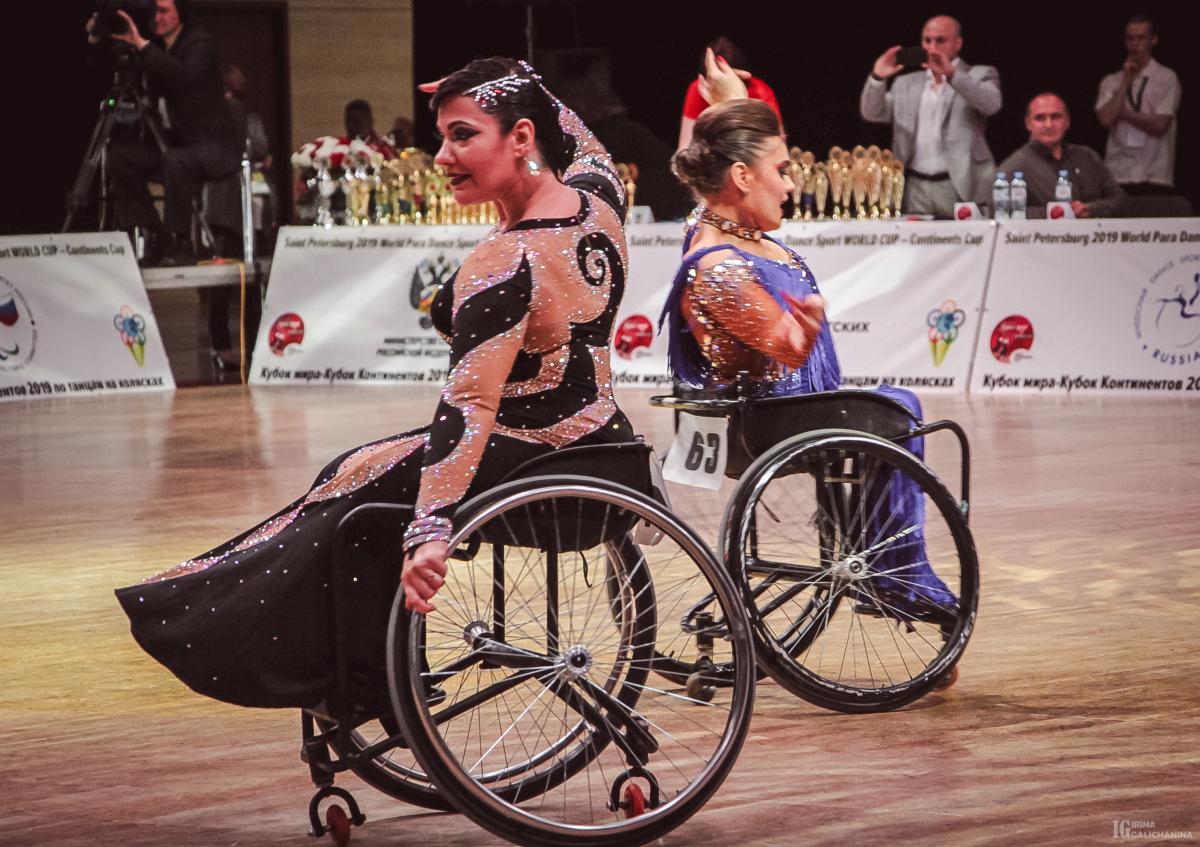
628	174
897	186
858	180
874	180
807	161
885	184
820	188
794	171
847	162
834	167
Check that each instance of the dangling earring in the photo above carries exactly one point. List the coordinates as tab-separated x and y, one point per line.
534	168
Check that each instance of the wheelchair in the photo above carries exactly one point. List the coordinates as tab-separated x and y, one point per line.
547	697
827	525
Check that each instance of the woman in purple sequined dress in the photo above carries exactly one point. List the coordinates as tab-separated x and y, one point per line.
743	302
529	319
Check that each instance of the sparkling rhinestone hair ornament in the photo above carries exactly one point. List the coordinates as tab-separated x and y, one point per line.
488	94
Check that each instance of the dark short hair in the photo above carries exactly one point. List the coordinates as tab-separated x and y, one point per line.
1140	18
1061	99
530	102
732	131
183	8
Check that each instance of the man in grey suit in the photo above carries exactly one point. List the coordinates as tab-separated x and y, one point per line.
938	119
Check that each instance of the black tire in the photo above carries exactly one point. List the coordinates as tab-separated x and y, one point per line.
811	541
625	708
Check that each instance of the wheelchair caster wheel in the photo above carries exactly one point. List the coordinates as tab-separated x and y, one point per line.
634	803
338	825
698	689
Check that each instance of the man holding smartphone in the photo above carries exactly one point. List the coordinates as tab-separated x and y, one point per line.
938	118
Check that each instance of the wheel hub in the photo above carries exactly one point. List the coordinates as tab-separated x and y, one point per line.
575	662
851	569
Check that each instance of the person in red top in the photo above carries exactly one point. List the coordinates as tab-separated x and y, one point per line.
696	101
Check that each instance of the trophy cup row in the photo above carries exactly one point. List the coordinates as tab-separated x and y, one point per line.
862	183
409	189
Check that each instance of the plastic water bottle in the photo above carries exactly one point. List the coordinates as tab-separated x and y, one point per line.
1062	188
1000	196
1017	195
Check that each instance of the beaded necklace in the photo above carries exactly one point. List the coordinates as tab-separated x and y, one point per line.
748	233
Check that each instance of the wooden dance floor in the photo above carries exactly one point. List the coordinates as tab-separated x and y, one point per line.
1078	706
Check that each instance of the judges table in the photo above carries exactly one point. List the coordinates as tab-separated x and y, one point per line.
1046	307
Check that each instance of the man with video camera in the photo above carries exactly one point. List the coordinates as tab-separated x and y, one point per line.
180	67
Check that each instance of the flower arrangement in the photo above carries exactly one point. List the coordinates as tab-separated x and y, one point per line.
332	152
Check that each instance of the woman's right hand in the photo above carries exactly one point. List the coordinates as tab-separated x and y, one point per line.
720	81
424	572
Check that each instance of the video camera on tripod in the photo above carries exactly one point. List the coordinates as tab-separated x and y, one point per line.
109	23
123	106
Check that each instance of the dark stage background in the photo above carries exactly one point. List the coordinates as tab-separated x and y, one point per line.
815	56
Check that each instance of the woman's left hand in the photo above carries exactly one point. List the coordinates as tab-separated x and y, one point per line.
430	87
423	574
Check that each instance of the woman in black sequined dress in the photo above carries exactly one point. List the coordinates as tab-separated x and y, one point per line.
529	319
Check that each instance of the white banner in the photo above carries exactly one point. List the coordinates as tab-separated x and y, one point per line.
343	304
75	319
1096	306
904	298
352	304
639	354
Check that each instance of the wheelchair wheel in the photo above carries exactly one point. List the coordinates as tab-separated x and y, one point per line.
544	643
857	568
394	770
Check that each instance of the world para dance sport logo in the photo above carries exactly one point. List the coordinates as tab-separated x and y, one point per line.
131	327
18	330
1166	319
943	324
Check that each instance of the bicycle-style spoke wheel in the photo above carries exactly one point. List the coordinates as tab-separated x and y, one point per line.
857	567
531	695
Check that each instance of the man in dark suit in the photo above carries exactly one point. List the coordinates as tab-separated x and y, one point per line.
181	72
938	119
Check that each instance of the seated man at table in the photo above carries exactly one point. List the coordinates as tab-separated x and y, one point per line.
1094	191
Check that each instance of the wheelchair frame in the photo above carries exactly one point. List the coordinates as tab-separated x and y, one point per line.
633	739
761	442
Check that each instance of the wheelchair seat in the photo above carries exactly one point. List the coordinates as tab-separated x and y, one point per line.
592	523
756	426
